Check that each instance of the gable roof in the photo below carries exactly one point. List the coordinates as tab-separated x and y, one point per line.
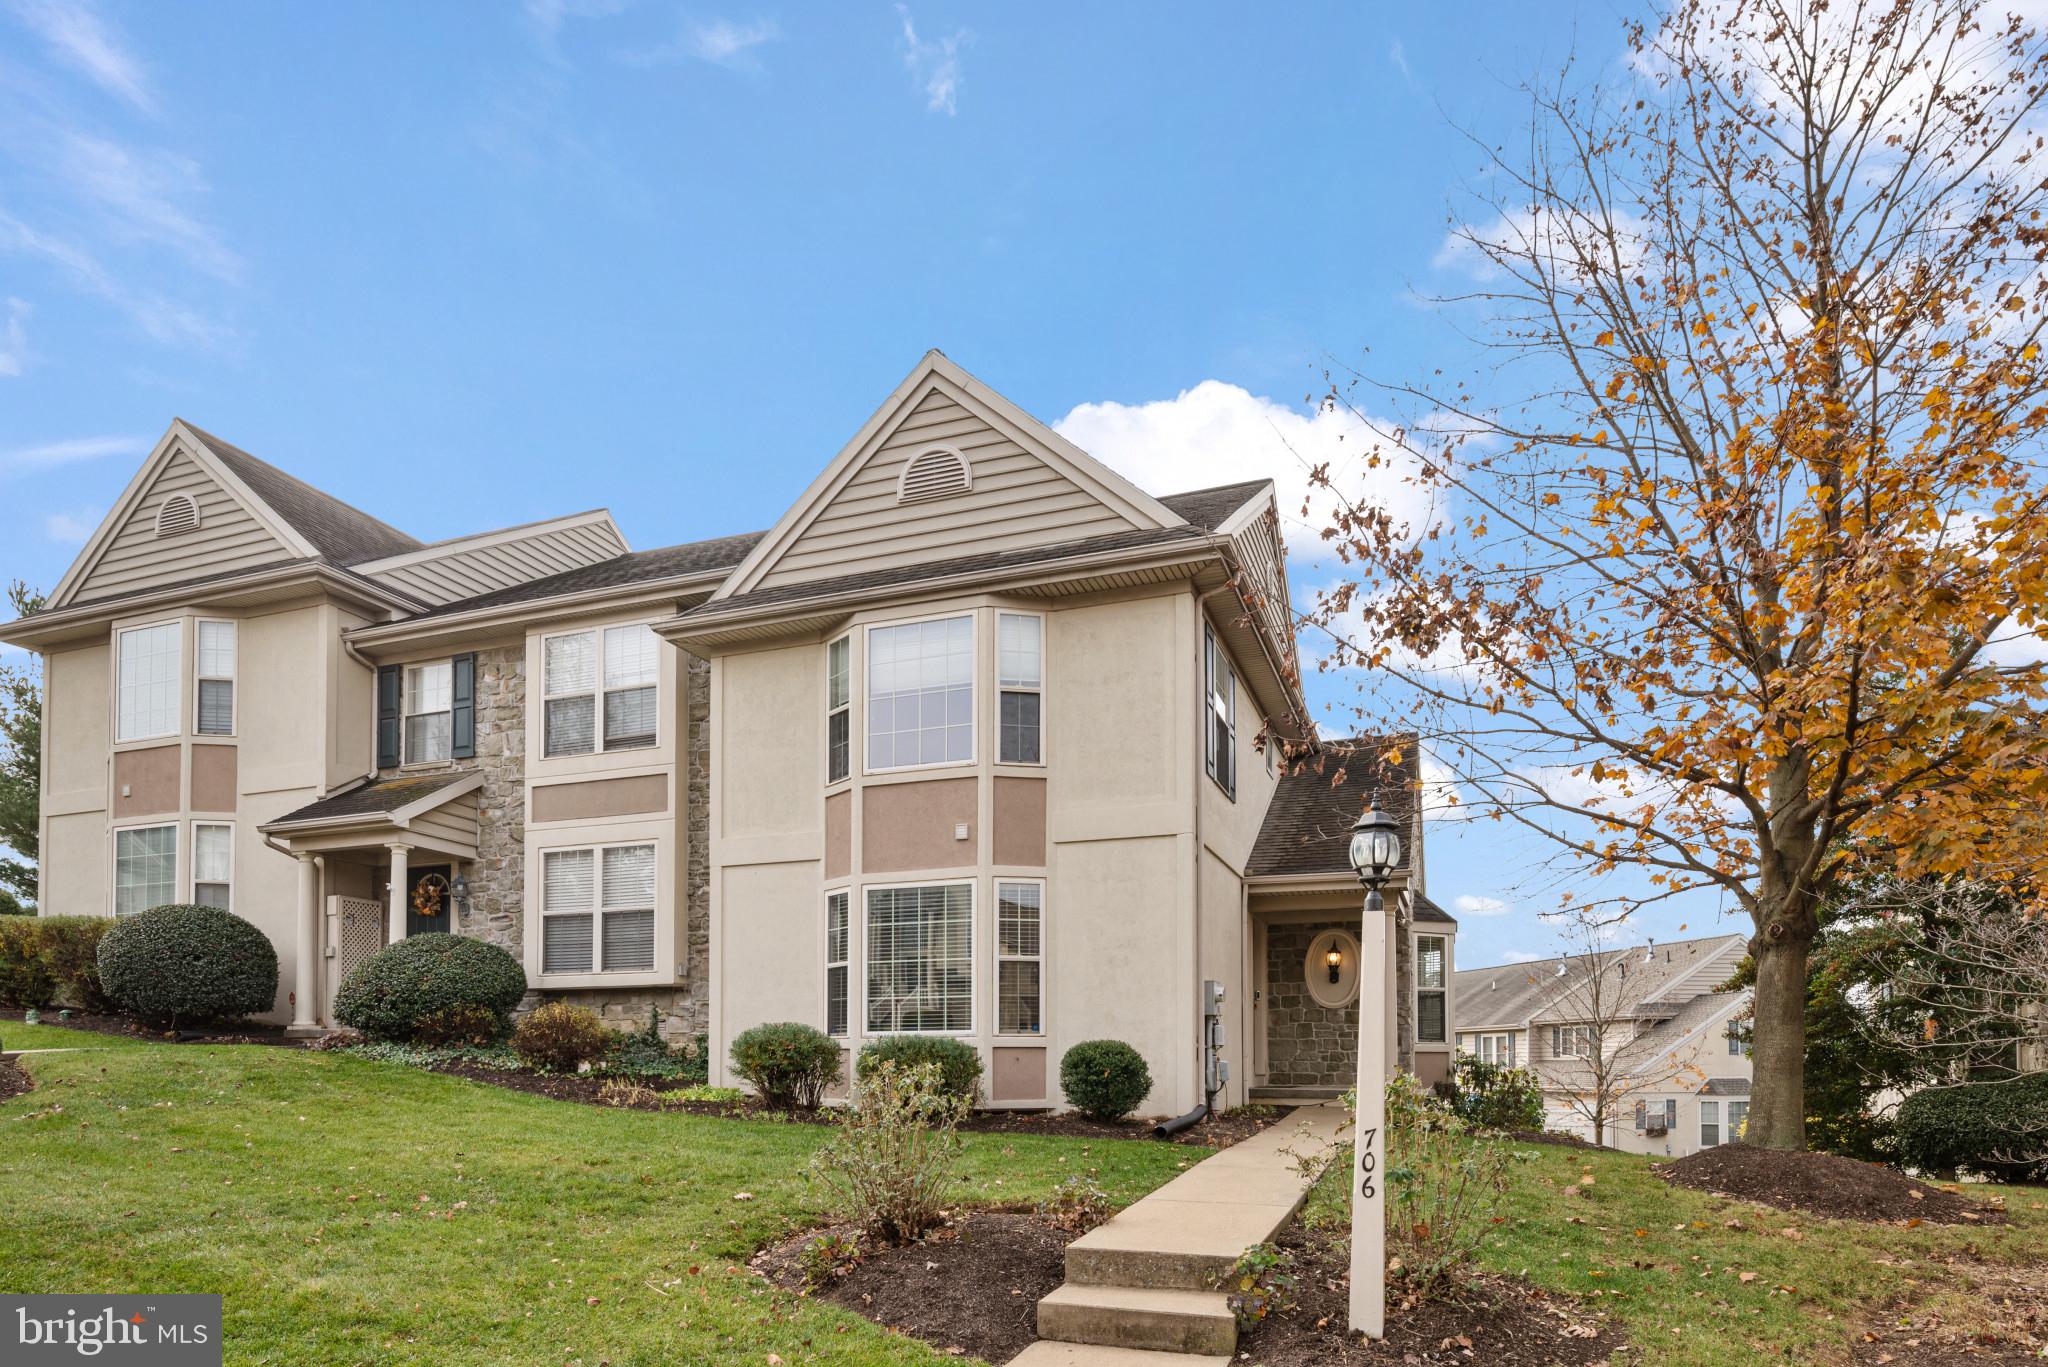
339	533
387	798
1307	828
1210	508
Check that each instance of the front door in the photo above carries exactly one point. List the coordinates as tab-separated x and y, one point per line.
429	901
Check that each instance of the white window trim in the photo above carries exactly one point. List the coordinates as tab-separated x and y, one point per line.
973	712
596	694
1042	689
1216	666
177	711
1719	1137
825	955
180	861
1441	989
1560	1035
974	989
192	880
232	679
406	714
851	707
998	958
597	970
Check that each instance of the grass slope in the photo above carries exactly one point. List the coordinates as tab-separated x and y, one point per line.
357	1212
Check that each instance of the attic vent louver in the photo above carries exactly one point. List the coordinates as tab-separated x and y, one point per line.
178	514
935	473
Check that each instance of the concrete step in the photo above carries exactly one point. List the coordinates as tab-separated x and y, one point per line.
1048	1354
1169	1321
1172	1245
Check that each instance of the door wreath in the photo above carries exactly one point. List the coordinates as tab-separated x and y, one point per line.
429	895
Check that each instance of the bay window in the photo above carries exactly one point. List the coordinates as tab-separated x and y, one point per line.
1020	677
146	673
429	712
1429	985
920	961
145	868
920	704
597	909
591	677
1219	684
213	865
836	1013
1020	955
838	709
214	679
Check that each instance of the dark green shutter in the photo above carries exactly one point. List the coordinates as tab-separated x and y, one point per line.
462	691
387	716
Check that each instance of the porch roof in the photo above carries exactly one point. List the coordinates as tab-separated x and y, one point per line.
435	812
1307	829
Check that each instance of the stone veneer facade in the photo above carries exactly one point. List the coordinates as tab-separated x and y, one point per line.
1307	1044
497	905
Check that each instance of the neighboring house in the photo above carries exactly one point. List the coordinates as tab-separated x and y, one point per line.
1677	1072
968	743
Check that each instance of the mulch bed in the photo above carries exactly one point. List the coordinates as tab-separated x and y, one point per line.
1567	1141
1823	1184
1498	1321
13	1081
971	1287
2009	1324
246	1033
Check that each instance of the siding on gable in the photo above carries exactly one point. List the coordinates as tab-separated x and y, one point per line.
465	573
1017	500
228	539
1264	557
454	821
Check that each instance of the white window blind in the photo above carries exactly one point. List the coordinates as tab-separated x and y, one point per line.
569	681
597	910
632	668
921	694
1020	957
429	715
1020	669
213	866
148	669
568	922
215	675
920	959
838	709
628	930
592	704
836	937
145	868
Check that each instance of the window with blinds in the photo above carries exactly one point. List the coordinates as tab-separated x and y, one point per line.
920	943
1220	687
597	910
1020	675
1020	957
214	671
838	709
145	868
213	865
921	694
429	712
600	690
146	671
836	937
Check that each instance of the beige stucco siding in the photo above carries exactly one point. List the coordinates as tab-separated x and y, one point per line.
77	715
228	538
76	865
1016	500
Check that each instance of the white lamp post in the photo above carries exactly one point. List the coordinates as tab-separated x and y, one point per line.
1375	850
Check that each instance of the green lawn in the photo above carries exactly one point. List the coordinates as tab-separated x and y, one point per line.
359	1212
1666	1263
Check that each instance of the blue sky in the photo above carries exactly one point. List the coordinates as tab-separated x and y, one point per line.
469	265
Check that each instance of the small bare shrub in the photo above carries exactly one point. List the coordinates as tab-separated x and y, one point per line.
467	1024
1076	1205
889	1165
560	1037
827	1258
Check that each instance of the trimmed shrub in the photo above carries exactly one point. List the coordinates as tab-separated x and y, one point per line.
561	1036
466	1026
1494	1096
182	963
888	1166
1998	1129
1105	1079
395	990
789	1064
52	961
958	1062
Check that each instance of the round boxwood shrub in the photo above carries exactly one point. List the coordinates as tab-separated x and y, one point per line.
394	991
789	1064
179	964
561	1037
1999	1129
959	1063
1105	1079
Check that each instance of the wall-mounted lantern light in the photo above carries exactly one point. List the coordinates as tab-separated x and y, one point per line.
1335	958
461	891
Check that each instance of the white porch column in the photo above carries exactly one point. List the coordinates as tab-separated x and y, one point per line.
1368	1308
394	929
305	984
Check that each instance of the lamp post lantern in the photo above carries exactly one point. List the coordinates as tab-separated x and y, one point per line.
1375	851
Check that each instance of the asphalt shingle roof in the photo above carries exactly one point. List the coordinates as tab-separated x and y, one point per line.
342	534
1210	508
1726	1086
1308	824
373	799
1510	994
1426	910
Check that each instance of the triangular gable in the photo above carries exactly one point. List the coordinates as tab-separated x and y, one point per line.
235	529
1028	486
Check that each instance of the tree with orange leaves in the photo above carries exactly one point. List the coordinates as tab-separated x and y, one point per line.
1741	552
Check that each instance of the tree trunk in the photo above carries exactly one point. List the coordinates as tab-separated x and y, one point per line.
1777	1102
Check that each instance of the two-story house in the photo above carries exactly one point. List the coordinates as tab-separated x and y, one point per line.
979	739
1675	1069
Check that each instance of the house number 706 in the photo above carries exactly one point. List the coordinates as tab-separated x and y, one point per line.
1368	1161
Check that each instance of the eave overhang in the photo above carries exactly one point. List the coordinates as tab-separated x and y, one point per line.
58	626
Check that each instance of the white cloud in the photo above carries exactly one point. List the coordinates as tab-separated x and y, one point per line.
161	318
1473	904
2013	646
14	338
720	42
546	17
934	66
79	39
72	529
139	195
1398	55
22	460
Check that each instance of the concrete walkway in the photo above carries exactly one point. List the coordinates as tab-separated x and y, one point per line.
1141	1290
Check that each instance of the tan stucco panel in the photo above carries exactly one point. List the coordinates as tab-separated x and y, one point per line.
838	835
75	719
1017	1074
1432	1067
913	825
1117	738
771	723
598	798
1120	956
77	860
1020	821
213	778
146	782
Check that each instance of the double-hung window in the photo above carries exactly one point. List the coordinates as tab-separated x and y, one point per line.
1020	956
921	694
147	671
1736	1044
839	709
213	865
1710	1124
1429	989
1020	675
597	910
1497	1049
600	690
1571	1041
836	938
429	712
1738	1116
1219	683
920	959
145	868
214	675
